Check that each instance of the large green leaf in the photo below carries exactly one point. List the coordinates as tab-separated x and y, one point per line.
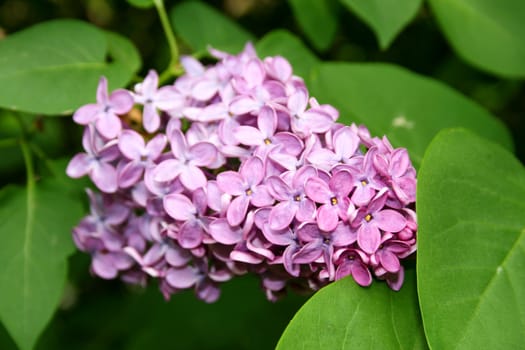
201	25
471	248
386	18
54	67
488	34
283	43
309	14
36	241
408	108
344	315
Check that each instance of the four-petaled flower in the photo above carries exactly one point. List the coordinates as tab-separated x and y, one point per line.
104	113
333	196
246	186
187	162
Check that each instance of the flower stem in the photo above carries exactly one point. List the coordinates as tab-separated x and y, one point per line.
28	161
172	68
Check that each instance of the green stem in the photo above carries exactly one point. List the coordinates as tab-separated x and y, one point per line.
172	42
30	171
28	161
43	156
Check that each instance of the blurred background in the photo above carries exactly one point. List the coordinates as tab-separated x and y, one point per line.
98	314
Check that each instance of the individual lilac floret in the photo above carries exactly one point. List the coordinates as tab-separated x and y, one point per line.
104	113
370	220
333	196
96	162
140	155
187	162
293	200
246	186
236	169
154	99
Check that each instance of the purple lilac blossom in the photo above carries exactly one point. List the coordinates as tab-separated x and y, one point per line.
235	169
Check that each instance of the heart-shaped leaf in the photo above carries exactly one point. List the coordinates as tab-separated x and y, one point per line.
487	34
54	67
201	25
36	241
344	315
408	108
386	18
309	14
471	244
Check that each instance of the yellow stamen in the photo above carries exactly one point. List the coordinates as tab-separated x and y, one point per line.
364	183
333	200
249	192
267	141
368	217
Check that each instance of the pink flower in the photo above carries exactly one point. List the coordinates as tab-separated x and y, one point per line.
104	113
333	195
246	186
187	162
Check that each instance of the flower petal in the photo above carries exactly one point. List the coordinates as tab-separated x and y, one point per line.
87	114
121	101
131	144
237	210
327	217
260	197
167	170
79	166
130	174
156	145
203	154
231	182
368	238
267	121
182	278
192	177
389	220
224	233
252	170
109	125
341	183
190	234
346	142
281	215
105	177
248	135
179	207
150	118
318	190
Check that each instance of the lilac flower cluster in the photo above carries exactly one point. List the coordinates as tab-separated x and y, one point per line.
234	169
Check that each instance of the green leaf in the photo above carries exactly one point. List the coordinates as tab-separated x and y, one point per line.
488	34
141	3
386	18
36	241
309	13
410	109
54	67
283	43
201	25
471	244
344	315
